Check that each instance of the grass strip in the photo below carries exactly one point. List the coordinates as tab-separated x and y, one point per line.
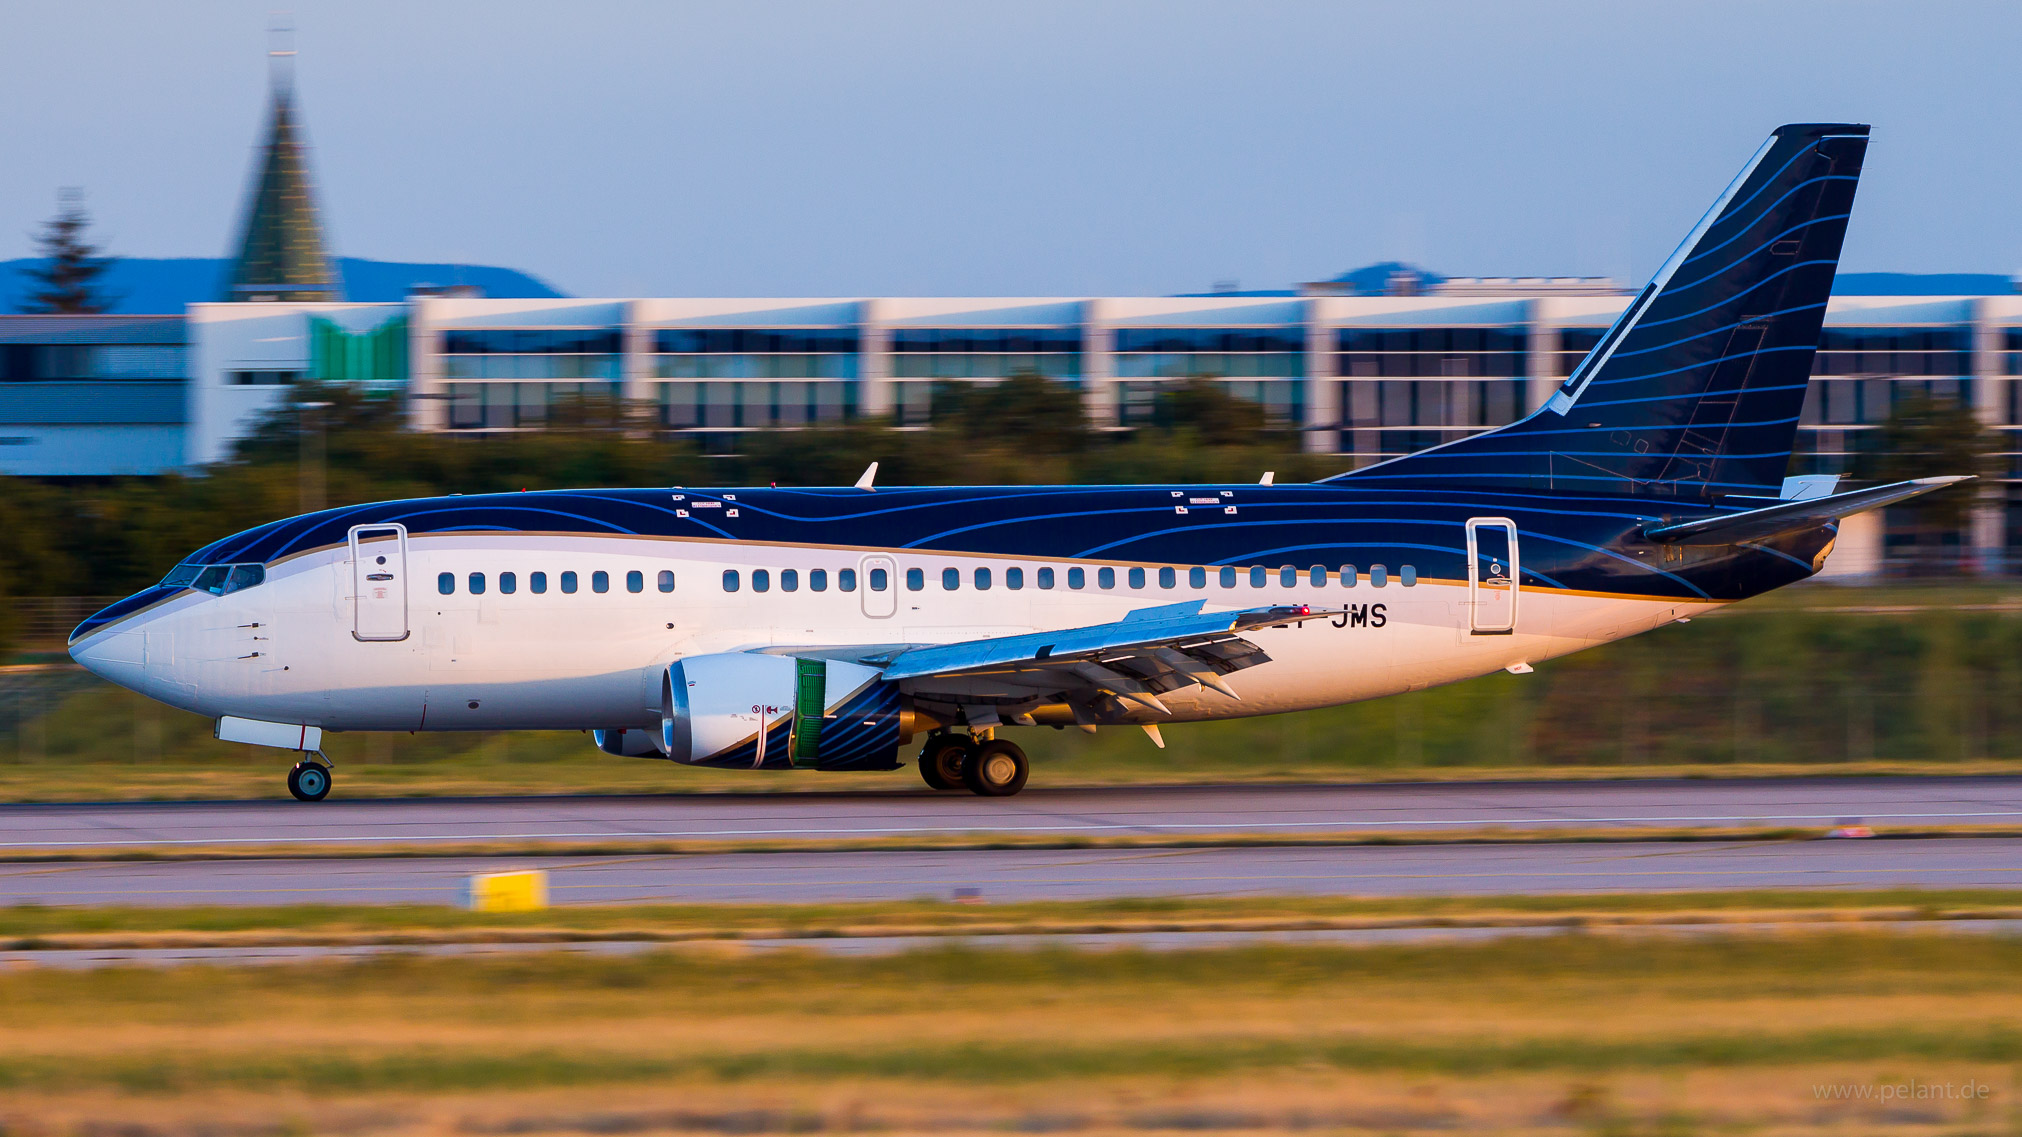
442	1070
1569	921
25	927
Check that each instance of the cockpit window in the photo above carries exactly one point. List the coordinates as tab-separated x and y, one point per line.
216	579
245	576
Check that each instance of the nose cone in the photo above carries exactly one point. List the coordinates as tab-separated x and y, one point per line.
111	644
117	656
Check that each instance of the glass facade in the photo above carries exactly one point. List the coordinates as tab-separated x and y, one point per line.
532	353
1403	389
507	406
742	378
30	363
921	357
1859	375
1265	365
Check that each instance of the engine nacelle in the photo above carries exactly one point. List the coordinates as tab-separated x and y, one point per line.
630	742
750	711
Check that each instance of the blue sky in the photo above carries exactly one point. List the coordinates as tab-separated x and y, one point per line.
1029	147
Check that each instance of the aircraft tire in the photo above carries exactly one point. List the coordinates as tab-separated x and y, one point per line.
942	760
996	769
309	782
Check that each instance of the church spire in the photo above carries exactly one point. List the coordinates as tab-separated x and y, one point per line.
281	254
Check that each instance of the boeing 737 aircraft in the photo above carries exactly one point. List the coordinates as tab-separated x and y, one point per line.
827	628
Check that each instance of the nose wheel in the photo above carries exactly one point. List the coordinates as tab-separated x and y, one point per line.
309	781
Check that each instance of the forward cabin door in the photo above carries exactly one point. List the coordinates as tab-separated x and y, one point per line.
379	582
1492	580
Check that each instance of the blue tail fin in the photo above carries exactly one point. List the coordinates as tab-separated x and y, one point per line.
1695	391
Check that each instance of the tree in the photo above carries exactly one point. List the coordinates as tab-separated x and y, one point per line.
1026	411
1202	406
68	282
1926	437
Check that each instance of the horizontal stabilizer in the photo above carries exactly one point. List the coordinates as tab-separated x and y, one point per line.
1793	516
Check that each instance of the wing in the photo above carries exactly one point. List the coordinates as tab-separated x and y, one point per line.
1103	673
1790	517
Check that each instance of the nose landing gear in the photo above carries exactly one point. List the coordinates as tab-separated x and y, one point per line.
988	768
310	779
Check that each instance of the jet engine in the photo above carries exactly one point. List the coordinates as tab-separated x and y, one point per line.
752	711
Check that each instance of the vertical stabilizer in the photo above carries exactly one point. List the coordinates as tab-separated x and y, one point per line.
1695	391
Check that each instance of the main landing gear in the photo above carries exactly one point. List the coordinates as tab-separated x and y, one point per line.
987	767
310	779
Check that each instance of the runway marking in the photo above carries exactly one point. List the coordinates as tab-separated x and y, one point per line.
986	830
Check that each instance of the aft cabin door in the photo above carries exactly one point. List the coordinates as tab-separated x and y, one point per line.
379	582
1492	579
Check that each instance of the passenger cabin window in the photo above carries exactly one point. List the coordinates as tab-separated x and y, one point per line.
1137	578
569	582
1317	576
600	581
537	582
1014	578
1257	573
1105	578
635	581
666	580
1167	578
1407	575
982	580
445	583
1378	576
761	580
508	583
1348	576
951	579
1045	578
880	580
789	580
1288	576
477	584
846	580
1228	576
817	580
730	581
916	579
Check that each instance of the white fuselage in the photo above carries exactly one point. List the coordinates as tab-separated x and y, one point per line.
287	650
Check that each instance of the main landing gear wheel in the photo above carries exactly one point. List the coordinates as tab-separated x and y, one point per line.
309	782
942	759
996	769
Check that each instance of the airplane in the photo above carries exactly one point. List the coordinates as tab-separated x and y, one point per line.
827	628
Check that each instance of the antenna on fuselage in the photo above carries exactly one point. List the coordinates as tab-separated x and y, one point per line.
870	475
1266	479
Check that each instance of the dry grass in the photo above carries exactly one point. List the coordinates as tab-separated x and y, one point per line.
36	926
1566	1034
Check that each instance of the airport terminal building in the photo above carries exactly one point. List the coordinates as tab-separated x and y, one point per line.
1360	369
1362	377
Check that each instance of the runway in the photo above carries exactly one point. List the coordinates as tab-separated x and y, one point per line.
1290	810
1005	875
